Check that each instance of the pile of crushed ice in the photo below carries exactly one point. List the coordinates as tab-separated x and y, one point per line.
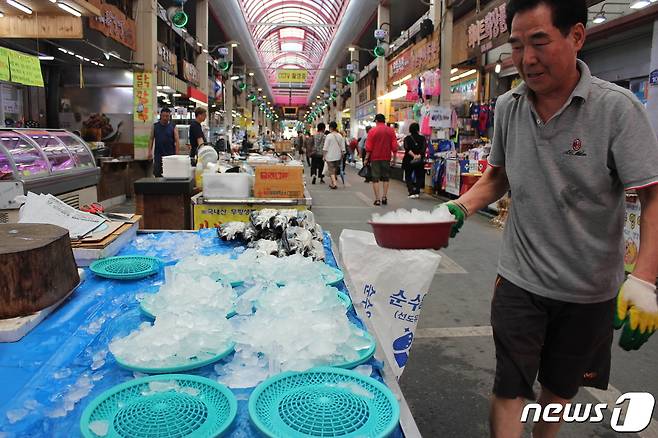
402	216
255	267
174	339
192	294
169	246
270	341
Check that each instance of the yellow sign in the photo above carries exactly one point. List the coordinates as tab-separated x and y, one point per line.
212	216
291	76
4	65
143	107
23	69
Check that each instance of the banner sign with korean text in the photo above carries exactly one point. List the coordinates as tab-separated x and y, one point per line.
291	76
23	69
388	297
488	29
143	110
453	177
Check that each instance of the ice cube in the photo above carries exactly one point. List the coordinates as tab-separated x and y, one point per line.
15	415
100	427
62	374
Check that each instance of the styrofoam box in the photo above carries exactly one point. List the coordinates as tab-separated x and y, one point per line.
226	185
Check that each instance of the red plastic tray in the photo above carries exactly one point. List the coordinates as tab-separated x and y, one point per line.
432	235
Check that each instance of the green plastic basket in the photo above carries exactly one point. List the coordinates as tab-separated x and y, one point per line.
323	402
149	314
126	267
346	300
364	355
207	409
189	365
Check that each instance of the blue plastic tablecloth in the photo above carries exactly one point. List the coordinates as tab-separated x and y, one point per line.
82	326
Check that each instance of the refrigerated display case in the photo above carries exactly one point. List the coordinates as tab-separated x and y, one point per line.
51	161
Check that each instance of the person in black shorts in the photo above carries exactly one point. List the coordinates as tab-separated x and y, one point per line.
197	137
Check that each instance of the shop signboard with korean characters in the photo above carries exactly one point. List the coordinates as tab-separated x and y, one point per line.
114	24
190	73
167	60
488	29
423	55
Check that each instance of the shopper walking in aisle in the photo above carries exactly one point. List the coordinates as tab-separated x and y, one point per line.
299	144
380	146
413	162
334	150
197	137
568	145
362	144
317	156
163	141
308	147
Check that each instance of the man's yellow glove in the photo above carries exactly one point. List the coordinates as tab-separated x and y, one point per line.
636	312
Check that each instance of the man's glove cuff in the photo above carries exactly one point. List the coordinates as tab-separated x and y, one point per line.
642	283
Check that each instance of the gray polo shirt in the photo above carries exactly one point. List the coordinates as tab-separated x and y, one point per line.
564	234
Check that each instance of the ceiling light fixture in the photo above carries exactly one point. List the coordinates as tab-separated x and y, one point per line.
46	58
234	45
637	4
204	50
62	50
100	64
351	49
198	43
453	71
69	9
599	18
235	78
19	6
251	73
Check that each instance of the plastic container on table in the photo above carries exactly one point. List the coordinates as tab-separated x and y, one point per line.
429	235
226	185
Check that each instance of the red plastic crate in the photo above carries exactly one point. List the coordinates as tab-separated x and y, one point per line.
433	235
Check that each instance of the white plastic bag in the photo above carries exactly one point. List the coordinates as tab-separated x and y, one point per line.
388	287
325	169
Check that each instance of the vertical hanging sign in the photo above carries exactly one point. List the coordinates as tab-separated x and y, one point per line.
143	107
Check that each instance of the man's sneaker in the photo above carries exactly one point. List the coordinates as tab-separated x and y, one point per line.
415	196
384	201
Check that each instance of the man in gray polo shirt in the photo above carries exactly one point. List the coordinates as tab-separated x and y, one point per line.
567	145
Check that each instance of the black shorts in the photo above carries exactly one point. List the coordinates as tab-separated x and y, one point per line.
567	344
381	171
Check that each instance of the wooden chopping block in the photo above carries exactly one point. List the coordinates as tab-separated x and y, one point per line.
37	268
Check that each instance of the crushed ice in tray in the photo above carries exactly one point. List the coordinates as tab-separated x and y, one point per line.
191	292
272	336
168	246
415	216
174	339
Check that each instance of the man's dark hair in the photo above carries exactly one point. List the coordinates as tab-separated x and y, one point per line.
368	128
321	127
333	125
199	111
566	13
381	118
165	109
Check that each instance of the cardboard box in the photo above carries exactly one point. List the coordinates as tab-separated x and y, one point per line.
279	182
283	147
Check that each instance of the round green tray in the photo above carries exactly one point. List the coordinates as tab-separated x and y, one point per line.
191	365
366	354
147	312
346	300
171	414
126	267
323	402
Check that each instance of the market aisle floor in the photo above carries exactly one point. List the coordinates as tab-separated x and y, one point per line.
448	378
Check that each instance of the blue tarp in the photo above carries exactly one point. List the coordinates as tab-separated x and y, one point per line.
37	371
